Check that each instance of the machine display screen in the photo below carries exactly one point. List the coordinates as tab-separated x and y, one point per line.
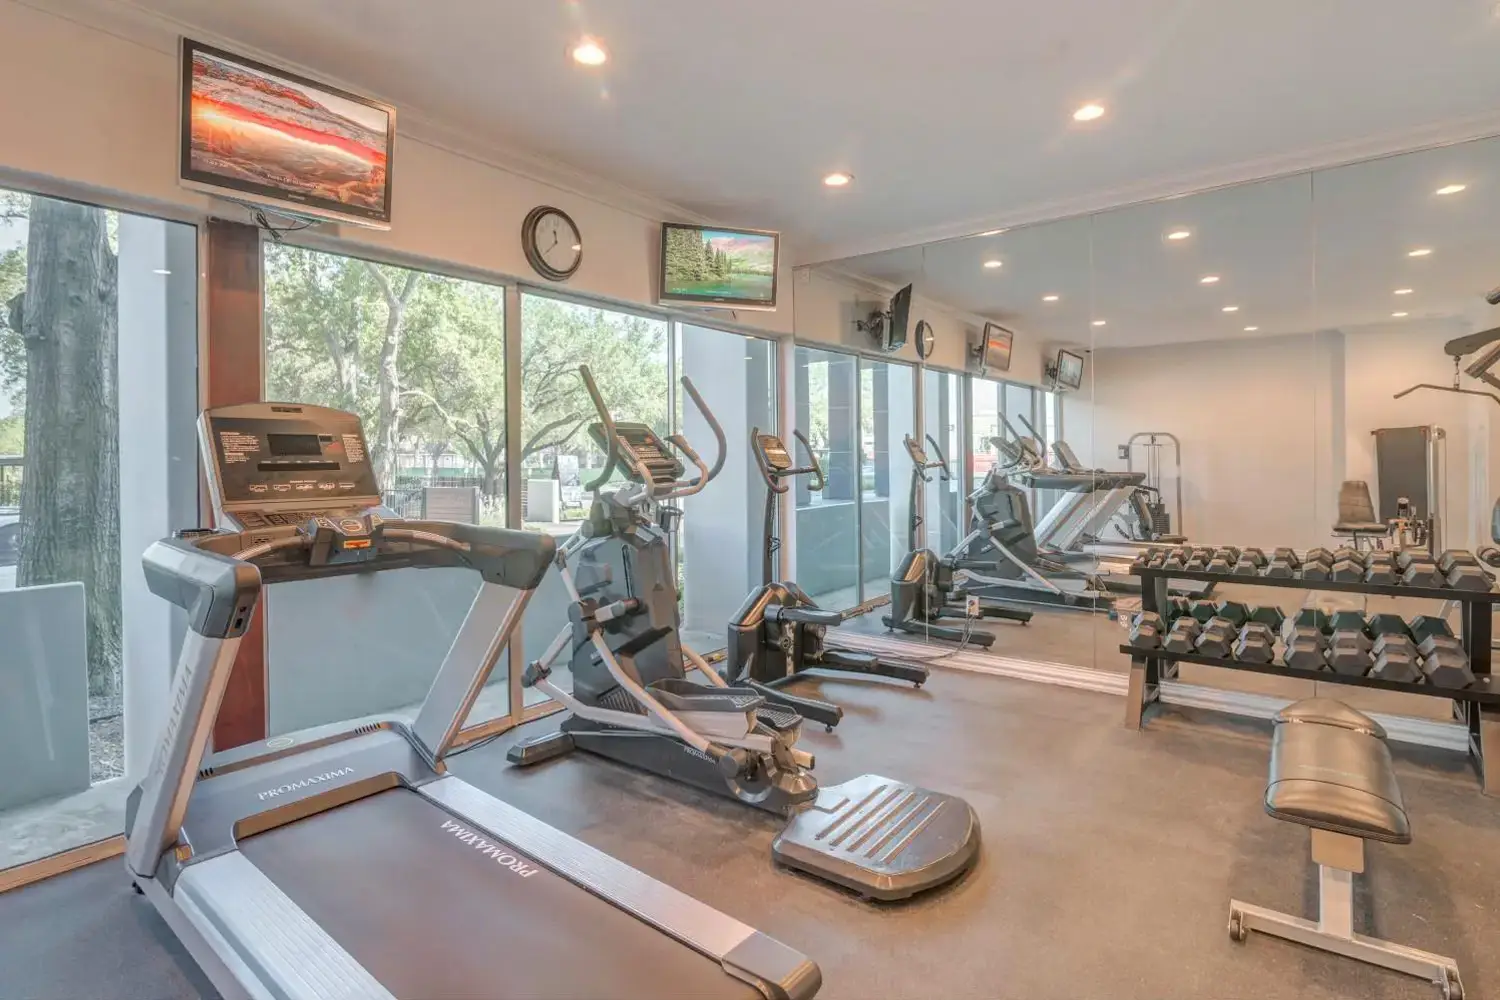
294	444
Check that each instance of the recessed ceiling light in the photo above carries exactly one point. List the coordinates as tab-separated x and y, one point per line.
1089	112
1402	291
1179	234
1050	298
1231	309
1209	279
1098	322
1451	188
1251	329
1398	315
837	179
994	263
1420	252
588	52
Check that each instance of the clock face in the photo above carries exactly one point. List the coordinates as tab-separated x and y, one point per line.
552	243
925	338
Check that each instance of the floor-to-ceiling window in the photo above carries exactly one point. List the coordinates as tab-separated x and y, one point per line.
628	355
943	420
420	357
887	412
98	395
721	540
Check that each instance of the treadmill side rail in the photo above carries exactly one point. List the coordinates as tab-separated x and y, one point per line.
745	953
290	956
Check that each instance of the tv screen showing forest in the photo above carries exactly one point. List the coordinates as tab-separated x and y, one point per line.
731	267
258	131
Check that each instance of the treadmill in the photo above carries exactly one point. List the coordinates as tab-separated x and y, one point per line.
344	861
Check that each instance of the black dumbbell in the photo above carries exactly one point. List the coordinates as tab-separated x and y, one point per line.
1424	626
1405	557
1267	614
1316	569
1306	648
1247	565
1348	571
1177	607
1455	557
1381	572
1466	576
1220	563
1216	638
1146	629
1445	664
1386	623
1256	643
1235	612
1203	611
1181	635
1345	553
1422	572
1396	659
1310	617
1198	562
1349	652
1348	621
1281	569
1174	560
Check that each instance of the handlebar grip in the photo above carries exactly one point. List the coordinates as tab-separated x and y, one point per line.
816	468
610	459
713	425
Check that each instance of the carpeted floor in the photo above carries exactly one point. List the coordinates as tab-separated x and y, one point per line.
1109	860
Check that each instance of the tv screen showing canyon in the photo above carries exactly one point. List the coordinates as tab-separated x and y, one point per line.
256	131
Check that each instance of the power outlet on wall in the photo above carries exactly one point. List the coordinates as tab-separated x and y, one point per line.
972	608
1122	451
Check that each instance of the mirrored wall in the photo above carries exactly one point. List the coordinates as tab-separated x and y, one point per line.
1263	365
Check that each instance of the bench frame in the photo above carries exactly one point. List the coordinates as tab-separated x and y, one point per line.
1340	857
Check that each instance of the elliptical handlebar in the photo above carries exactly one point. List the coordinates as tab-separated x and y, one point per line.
705	474
610	435
618	447
773	477
922	462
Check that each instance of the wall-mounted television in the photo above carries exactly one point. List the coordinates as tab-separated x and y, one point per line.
1068	370
254	133
712	266
995	347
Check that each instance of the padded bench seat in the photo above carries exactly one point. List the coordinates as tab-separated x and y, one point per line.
1331	771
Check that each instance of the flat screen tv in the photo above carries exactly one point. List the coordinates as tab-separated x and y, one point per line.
994	349
258	134
1069	370
900	319
708	266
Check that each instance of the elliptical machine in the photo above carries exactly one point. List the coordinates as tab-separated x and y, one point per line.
923	588
780	631
632	701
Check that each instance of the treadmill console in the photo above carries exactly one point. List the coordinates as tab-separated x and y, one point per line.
275	464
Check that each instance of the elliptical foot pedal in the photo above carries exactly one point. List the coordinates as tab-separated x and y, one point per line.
780	720
882	838
540	749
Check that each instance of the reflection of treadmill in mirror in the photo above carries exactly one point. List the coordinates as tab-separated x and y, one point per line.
780	632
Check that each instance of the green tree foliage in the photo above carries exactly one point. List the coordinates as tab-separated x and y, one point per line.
421	358
12	435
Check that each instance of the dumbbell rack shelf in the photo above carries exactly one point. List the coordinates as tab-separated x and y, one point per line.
1477	706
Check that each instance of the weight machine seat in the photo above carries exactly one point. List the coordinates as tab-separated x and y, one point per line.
1331	770
1357	511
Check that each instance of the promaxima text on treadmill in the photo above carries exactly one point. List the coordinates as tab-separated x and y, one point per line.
293	786
497	851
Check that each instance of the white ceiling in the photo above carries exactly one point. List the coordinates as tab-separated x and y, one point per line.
1313	251
950	113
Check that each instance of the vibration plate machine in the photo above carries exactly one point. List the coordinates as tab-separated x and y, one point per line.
779	631
632	700
344	861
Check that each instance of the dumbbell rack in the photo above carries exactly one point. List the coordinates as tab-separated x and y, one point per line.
1477	706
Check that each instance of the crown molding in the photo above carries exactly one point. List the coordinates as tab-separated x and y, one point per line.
1325	157
129	22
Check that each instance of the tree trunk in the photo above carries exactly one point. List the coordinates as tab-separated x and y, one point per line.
70	494
388	411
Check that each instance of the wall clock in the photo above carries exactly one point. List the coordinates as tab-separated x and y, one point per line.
553	245
925	339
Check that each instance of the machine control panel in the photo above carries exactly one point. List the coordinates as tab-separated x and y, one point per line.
777	457
647	447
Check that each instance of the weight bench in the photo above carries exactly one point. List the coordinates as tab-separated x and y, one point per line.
1331	771
1357	520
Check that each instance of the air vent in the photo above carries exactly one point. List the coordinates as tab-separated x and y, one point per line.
205	772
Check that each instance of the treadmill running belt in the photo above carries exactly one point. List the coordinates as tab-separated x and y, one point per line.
433	916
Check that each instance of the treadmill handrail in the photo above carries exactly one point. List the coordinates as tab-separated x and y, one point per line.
211	587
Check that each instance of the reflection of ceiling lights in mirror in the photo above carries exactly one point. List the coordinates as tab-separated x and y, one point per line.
1251	329
1050	298
1179	234
589	53
1098	322
1209	279
994	263
1398	315
837	179
1402	291
1231	309
992	232
1088	113
1451	188
1420	252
